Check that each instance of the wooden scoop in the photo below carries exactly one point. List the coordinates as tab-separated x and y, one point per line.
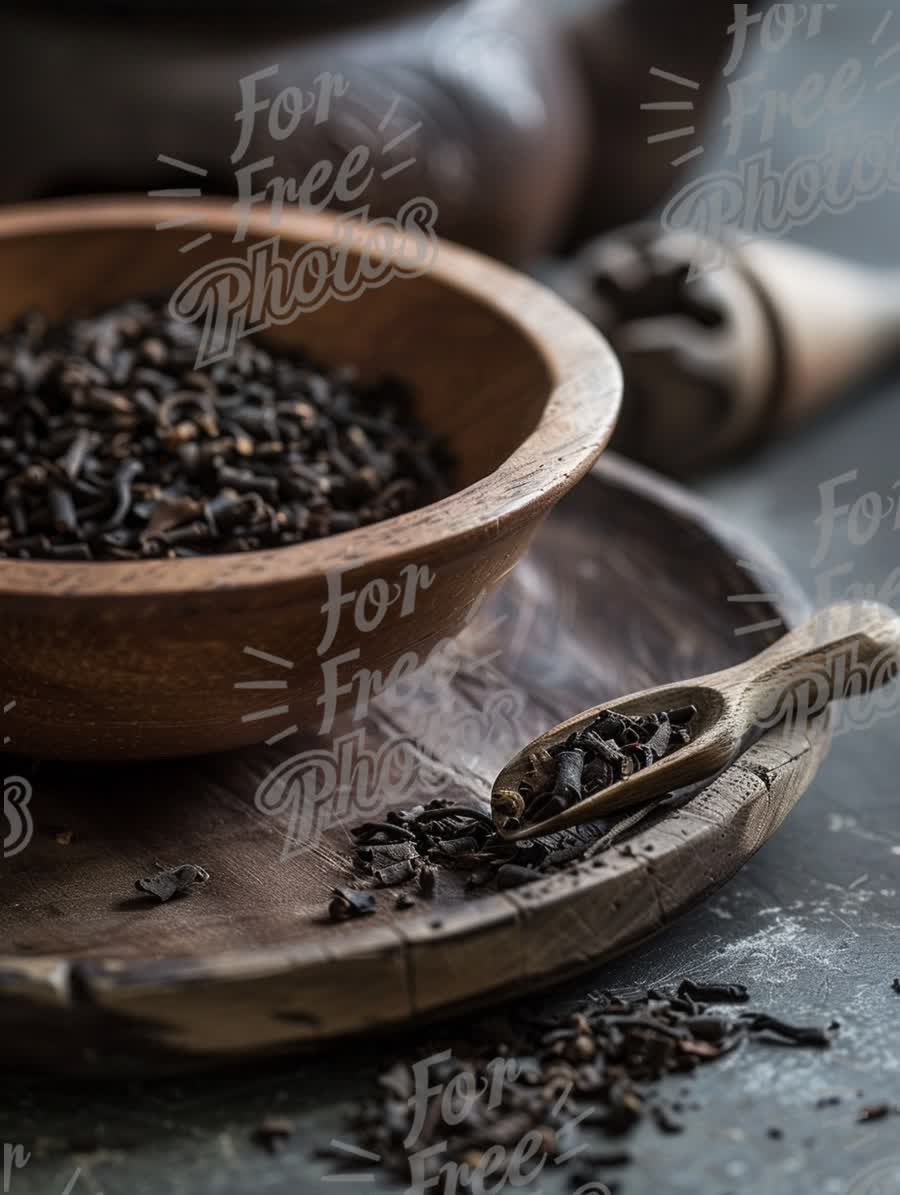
716	362
849	649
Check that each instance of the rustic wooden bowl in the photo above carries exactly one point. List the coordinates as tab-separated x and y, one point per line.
114	661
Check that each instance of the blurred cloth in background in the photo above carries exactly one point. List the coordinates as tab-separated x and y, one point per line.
527	128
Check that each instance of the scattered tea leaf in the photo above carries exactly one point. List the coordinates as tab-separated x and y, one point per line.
173	881
347	903
874	1112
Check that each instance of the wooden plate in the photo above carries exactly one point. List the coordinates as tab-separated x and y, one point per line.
628	584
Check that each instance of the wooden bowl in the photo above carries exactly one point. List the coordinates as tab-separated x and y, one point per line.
139	660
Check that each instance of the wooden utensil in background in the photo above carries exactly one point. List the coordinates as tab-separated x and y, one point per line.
763	338
846	650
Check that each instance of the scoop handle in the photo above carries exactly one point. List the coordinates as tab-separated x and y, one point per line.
846	650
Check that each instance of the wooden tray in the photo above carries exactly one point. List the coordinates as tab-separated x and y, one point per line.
629	584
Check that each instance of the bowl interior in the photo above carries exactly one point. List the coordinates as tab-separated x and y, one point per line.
479	380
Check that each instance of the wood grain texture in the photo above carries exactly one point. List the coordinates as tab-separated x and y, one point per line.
136	661
92	978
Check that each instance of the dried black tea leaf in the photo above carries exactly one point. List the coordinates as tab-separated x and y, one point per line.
714	993
801	1035
173	881
348	903
395	873
873	1112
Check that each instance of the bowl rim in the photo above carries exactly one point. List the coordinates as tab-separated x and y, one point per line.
574	427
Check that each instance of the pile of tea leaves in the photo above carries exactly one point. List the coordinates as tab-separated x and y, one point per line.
115	446
410	845
612	747
549	1087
